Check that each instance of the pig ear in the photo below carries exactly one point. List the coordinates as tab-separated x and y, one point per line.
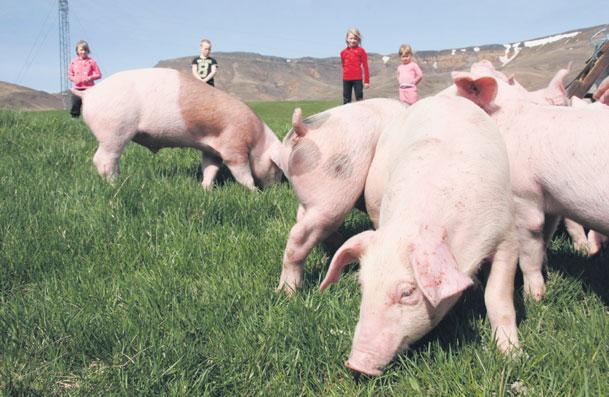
297	124
351	251
436	272
555	92
481	91
278	156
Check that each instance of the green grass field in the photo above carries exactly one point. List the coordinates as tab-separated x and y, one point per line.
154	286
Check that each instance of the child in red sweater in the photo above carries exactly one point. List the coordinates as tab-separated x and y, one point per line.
353	58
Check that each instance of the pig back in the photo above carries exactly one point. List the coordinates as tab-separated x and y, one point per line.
332	158
442	154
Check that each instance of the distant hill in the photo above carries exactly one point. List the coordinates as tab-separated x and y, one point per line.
255	77
16	97
534	62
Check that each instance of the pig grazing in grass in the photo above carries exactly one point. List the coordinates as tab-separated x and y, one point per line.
160	108
440	177
556	94
558	163
326	157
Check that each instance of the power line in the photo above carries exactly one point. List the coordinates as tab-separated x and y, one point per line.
40	39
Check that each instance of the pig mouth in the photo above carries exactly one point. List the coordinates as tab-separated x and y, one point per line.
365	362
359	369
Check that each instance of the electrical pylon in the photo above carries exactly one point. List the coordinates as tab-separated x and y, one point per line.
64	50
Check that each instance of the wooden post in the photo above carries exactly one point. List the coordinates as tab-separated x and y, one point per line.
590	73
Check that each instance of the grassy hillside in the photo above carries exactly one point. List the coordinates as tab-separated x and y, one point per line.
156	287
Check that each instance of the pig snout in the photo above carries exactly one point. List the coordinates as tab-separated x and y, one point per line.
362	363
372	349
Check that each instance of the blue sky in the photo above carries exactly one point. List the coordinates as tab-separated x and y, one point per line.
129	34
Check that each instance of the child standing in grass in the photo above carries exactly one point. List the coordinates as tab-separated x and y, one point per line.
83	71
204	67
354	58
409	74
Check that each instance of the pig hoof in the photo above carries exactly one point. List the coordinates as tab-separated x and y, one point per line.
593	250
286	289
536	294
535	289
581	246
290	280
518	355
510	348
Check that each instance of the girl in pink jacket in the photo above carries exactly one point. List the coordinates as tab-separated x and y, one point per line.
409	74
83	72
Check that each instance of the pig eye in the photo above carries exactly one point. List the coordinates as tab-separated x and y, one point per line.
407	295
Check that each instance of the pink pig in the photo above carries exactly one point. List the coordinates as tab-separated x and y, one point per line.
556	94
160	108
326	158
557	162
440	175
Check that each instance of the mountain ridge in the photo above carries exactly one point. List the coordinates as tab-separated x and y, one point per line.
255	77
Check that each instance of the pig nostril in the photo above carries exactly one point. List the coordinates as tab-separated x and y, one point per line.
359	374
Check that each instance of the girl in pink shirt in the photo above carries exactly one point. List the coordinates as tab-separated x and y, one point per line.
409	74
83	71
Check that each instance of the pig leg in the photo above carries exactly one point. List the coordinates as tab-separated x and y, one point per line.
499	296
300	213
532	250
311	229
209	167
595	242
549	228
106	159
578	235
334	238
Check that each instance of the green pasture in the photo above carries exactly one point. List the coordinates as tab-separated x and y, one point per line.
153	286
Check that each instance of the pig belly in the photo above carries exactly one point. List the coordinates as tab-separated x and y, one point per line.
155	143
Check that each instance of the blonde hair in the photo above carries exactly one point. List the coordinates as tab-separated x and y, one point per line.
405	49
84	45
204	41
355	32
